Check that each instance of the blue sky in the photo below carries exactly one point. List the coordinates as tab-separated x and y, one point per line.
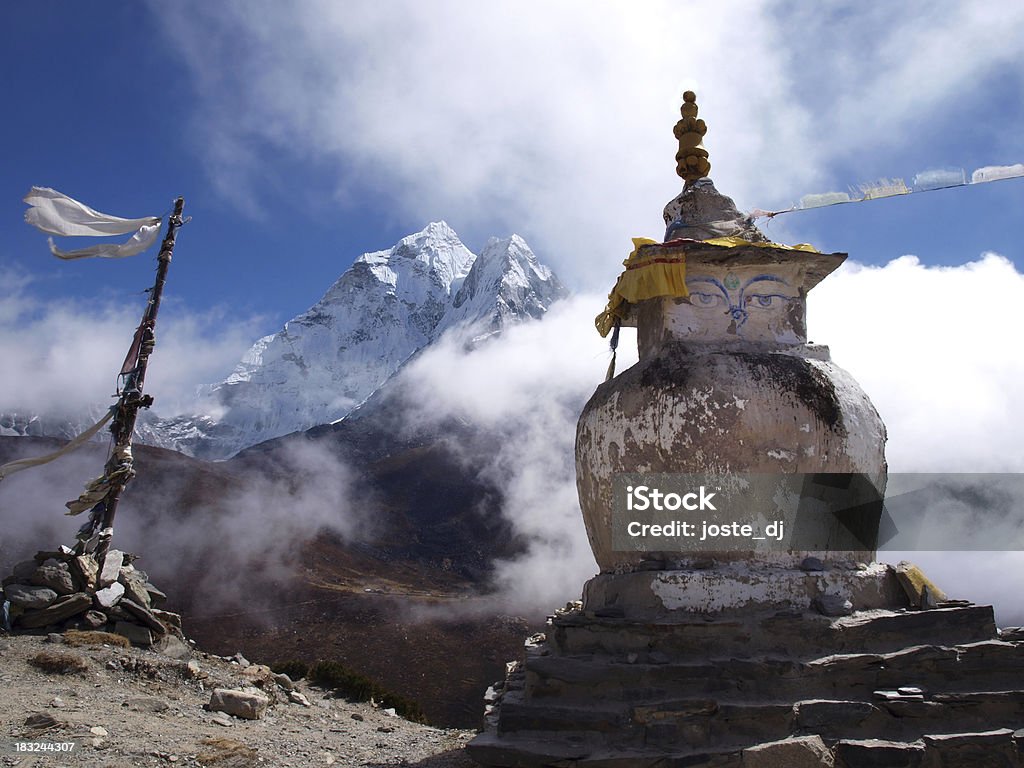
303	134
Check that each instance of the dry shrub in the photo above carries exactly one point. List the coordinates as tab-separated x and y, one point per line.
226	753
58	663
75	637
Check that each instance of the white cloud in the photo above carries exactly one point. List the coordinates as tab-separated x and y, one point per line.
527	386
933	347
554	120
234	551
62	357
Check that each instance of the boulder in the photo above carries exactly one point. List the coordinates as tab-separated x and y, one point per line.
258	674
56	577
168	618
173	647
795	752
22	573
40	721
284	681
85	571
109	596
812	564
29	598
94	619
136	635
832	605
156	597
248	703
135	590
221	719
117	613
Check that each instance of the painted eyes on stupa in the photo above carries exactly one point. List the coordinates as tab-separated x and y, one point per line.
754	300
765	300
707	299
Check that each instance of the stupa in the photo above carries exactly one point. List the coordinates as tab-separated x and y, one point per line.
744	649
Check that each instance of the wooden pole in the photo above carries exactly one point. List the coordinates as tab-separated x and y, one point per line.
119	466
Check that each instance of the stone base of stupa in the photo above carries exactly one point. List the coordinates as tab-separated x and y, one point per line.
740	666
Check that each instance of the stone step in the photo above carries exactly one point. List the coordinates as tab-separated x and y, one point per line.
539	750
517	714
907	720
705	733
888	631
992	748
695	723
986	665
704	723
784	634
989	665
787	636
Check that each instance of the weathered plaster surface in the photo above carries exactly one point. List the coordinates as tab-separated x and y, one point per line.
707	408
649	595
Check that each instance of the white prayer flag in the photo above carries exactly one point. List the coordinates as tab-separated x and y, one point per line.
57	214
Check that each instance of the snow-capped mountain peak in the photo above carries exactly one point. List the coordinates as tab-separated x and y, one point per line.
385	308
436	250
506	284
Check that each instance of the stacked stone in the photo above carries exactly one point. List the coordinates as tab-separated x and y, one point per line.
63	590
775	684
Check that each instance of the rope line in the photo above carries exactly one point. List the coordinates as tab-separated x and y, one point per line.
926	181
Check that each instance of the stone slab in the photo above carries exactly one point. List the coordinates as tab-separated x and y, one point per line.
62	608
109	596
796	752
143	616
111	568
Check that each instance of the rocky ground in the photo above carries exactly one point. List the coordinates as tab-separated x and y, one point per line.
126	707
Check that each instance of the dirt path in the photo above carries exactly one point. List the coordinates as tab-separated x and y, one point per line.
124	708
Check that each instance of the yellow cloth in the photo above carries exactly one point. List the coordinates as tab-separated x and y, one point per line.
735	242
644	278
661	275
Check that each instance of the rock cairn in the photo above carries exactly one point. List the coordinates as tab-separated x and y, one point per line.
63	590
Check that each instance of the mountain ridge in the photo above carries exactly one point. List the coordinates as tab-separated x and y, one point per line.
390	305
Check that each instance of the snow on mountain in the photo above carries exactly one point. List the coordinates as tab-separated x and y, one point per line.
379	313
506	284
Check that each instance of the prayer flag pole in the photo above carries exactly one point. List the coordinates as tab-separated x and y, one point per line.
119	469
